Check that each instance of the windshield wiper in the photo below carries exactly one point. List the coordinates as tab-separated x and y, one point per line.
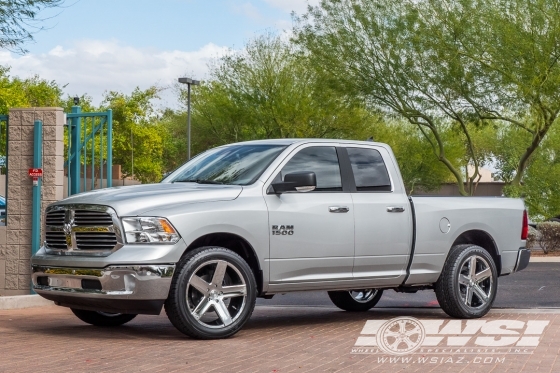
199	181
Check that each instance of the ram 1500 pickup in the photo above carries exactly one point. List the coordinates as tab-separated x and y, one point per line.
256	218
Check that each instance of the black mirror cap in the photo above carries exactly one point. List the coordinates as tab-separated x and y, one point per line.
296	181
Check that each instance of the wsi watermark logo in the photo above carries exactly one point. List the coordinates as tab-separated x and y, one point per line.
407	335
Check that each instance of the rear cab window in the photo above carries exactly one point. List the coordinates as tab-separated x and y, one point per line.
370	172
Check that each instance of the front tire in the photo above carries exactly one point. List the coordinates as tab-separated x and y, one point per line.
467	285
356	300
103	318
213	294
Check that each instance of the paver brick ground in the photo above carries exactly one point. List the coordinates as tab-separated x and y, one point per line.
276	339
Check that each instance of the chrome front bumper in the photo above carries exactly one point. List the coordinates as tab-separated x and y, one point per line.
125	289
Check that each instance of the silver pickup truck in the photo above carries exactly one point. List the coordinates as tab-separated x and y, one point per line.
257	218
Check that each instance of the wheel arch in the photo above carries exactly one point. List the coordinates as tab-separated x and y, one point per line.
235	243
483	239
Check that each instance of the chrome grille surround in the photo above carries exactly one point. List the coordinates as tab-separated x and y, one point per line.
91	230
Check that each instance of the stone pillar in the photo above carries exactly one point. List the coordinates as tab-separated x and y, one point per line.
15	237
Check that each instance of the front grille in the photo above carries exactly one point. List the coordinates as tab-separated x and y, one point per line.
56	240
96	240
81	229
91	217
55	218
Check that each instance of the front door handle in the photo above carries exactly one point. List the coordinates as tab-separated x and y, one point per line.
338	209
395	209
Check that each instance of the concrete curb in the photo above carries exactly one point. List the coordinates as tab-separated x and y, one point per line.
545	259
23	301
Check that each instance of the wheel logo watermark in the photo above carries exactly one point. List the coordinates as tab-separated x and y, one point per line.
408	340
401	336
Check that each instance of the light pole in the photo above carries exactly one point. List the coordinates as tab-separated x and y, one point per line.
189	82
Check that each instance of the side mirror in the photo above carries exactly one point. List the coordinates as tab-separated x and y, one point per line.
296	182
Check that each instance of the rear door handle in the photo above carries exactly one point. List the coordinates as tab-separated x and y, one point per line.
338	209
395	209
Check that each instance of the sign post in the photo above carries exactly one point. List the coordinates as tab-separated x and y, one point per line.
36	173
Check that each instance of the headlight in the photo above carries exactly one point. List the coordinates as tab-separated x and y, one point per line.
149	230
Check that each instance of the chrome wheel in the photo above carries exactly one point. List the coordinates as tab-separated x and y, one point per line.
363	295
475	282
216	294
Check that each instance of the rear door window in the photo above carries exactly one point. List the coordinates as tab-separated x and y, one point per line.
370	173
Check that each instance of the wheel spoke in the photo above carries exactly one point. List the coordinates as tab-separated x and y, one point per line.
222	312
219	273
481	294
234	291
199	284
463	280
472	267
483	275
201	308
468	296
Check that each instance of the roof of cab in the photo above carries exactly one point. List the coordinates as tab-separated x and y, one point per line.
287	142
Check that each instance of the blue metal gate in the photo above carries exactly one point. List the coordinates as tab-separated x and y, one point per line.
89	150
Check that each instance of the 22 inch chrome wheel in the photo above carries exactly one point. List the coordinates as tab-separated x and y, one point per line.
216	294
467	286
212	295
475	282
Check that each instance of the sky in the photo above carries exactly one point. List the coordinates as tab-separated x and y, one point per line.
93	46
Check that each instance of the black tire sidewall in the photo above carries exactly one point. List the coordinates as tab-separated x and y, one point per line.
454	305
187	267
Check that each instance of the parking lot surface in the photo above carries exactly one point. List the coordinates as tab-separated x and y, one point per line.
287	339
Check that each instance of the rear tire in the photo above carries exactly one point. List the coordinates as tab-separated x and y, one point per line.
356	300
467	285
103	318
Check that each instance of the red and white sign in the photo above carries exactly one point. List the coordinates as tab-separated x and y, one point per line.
35	172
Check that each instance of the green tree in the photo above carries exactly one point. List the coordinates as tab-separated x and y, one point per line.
268	90
30	92
421	172
137	139
540	187
441	63
174	136
17	18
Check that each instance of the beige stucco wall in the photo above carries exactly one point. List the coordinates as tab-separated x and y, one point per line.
15	237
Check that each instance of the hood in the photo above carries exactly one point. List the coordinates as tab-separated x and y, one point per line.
136	199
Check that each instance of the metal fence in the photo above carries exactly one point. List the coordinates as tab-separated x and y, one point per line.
89	150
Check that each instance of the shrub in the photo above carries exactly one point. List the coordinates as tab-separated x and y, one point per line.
532	237
549	236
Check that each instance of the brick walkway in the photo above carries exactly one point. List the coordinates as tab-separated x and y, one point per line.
278	339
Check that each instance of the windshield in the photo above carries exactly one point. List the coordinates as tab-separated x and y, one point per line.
235	164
